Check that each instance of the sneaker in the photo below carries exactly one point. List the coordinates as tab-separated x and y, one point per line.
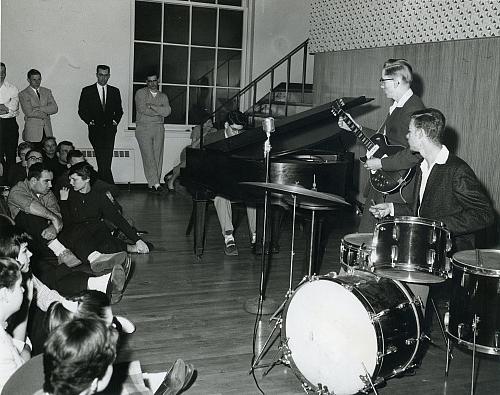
230	248
116	284
107	261
68	258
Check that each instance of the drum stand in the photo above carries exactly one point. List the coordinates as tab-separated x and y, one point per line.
276	331
449	355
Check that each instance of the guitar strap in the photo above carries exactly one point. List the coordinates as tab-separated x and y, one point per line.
383	125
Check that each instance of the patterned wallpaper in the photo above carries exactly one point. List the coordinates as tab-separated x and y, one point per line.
336	25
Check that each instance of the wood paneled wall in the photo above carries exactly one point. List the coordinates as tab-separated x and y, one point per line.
460	78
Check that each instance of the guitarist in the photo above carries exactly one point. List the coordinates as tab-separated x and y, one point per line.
395	81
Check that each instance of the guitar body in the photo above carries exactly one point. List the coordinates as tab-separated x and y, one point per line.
382	180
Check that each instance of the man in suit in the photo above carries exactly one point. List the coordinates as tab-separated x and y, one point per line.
100	107
38	105
395	81
445	189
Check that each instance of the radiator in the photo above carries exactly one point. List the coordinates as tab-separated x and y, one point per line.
123	166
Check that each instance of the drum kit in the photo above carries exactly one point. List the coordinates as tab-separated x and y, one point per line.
349	333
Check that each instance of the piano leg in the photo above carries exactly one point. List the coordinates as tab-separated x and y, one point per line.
199	214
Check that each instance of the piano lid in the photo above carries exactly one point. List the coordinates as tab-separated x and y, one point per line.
293	133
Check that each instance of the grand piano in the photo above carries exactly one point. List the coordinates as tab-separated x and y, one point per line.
306	147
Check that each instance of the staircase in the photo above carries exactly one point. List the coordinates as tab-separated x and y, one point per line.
281	100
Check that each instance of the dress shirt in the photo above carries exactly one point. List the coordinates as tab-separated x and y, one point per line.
100	88
426	169
402	101
9	97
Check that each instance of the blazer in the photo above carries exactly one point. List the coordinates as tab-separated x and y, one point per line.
37	113
452	195
90	107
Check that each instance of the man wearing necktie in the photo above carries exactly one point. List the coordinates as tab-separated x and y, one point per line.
38	105
395	82
100	107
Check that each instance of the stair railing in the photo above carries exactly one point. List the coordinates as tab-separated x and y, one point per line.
252	87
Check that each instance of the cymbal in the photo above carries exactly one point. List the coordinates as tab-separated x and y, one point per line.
302	194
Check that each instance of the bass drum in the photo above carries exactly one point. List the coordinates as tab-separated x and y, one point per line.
475	298
356	324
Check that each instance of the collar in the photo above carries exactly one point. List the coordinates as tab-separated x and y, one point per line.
402	101
34	90
441	159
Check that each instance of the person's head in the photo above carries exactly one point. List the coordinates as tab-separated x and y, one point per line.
152	81
80	177
14	243
62	151
102	73
11	289
3	72
88	303
425	125
235	122
33	156
22	149
75	156
78	357
40	178
34	78
397	75
49	146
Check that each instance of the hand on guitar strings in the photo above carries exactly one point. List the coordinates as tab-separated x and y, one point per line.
373	164
381	210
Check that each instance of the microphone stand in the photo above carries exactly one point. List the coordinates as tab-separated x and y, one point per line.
261	305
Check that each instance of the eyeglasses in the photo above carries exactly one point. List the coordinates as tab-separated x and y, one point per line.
35	158
382	80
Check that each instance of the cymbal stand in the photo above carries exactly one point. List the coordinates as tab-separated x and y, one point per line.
276	331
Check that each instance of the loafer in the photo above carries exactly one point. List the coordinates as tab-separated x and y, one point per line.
230	248
68	258
108	261
174	379
116	284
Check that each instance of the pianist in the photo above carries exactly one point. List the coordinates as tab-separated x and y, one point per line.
234	125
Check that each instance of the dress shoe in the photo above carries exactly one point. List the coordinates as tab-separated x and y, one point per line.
123	325
116	284
68	258
178	379
107	261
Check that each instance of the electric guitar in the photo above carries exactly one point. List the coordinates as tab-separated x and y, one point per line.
376	147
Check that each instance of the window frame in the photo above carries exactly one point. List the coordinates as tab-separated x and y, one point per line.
245	70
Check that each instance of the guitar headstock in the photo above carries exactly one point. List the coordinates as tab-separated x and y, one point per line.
338	107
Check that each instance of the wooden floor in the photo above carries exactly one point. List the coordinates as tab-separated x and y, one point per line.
195	311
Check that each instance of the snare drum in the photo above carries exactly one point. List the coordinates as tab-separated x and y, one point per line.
475	295
358	324
411	249
355	250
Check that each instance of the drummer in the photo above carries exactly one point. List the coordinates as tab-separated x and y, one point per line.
446	188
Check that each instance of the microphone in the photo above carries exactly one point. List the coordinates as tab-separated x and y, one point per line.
268	125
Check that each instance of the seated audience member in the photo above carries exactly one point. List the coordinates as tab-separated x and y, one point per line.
13	349
234	125
18	171
49	147
14	244
83	210
35	209
62	158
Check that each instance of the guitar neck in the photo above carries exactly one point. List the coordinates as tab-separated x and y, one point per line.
358	132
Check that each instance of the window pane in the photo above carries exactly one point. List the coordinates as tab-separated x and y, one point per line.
177	97
202	66
228	68
230	28
203	29
146	59
175	62
147	21
200	104
206	1
230	2
176	28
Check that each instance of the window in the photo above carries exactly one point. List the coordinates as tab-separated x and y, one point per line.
197	47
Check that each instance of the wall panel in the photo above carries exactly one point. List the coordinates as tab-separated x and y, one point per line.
461	78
